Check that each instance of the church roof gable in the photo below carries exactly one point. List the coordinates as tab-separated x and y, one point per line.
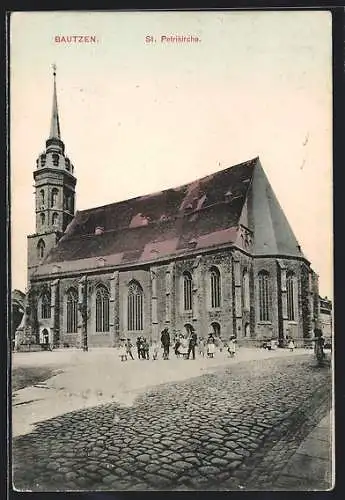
272	232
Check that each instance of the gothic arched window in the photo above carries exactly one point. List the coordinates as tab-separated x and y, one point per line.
290	296
264	296
245	290
42	219
102	309
45	306
135	307
42	197
54	198
72	310
215	287
187	291
40	249
55	218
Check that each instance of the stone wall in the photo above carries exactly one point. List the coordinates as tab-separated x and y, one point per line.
203	315
50	239
162	286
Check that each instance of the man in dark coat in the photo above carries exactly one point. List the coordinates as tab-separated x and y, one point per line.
139	347
46	342
192	343
165	339
146	349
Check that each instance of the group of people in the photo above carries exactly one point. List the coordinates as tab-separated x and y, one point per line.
184	346
319	343
143	349
272	344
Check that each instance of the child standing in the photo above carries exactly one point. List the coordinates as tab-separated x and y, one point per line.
232	347
291	345
129	346
202	348
211	346
177	347
273	344
122	351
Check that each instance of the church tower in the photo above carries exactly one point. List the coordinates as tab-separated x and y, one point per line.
54	192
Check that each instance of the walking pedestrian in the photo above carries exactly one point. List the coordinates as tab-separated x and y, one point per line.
192	343
129	346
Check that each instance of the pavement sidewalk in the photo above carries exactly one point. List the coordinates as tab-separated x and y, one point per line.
311	467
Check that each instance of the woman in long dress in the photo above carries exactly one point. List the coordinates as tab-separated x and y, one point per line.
184	347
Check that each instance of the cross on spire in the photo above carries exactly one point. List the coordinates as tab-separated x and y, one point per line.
55	123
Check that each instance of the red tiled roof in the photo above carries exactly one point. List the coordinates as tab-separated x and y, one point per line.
198	215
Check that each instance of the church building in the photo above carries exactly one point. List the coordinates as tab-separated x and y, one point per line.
217	254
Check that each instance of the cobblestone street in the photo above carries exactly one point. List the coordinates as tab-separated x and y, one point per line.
232	429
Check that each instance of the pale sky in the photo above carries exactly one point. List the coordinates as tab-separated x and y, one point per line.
137	118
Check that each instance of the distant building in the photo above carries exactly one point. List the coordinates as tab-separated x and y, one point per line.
326	316
217	254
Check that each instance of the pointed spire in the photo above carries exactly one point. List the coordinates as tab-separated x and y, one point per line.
55	124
